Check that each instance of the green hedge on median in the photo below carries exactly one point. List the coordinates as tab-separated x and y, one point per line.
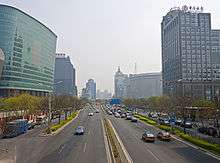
63	122
145	119
201	143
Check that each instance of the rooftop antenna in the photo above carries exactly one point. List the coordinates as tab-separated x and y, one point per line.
135	68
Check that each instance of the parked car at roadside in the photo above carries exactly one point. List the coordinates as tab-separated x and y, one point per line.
188	124
178	122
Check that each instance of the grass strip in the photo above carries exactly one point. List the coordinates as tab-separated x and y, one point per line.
63	122
110	135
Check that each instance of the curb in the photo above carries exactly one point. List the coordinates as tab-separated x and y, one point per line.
187	143
126	154
108	148
61	128
196	147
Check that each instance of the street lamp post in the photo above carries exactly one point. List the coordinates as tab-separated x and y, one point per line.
172	94
50	106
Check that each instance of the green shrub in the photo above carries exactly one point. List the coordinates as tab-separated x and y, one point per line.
164	127
194	140
145	119
63	122
201	143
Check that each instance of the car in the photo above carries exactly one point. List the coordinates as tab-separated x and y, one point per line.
110	113
31	125
188	124
148	136
164	136
166	122
123	116
119	111
178	122
117	115
97	111
91	114
79	130
133	119
128	117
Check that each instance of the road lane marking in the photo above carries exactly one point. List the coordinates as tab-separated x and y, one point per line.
186	143
108	154
127	155
153	155
61	149
196	147
84	149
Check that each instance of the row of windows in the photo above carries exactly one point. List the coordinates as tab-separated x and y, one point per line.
25	75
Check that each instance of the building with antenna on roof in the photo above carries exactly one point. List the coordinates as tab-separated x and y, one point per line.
120	84
190	54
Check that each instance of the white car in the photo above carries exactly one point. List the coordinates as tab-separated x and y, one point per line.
91	114
117	115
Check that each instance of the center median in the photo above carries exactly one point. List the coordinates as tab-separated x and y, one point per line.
119	153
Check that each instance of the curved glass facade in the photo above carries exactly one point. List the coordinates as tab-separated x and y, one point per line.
29	49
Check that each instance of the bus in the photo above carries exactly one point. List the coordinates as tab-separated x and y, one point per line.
15	128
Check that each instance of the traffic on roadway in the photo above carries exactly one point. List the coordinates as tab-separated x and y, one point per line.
84	140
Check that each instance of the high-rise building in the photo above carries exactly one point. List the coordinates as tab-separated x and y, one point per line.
120	82
103	94
190	54
144	85
29	49
2	60
64	76
90	91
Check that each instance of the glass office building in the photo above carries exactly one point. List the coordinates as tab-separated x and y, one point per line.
29	48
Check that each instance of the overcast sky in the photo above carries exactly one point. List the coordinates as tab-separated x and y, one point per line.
100	35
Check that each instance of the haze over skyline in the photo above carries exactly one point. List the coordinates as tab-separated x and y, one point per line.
101	35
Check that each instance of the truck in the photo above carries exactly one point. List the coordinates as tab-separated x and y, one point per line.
41	119
15	128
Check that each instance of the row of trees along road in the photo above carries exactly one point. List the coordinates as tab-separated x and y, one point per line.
26	104
199	109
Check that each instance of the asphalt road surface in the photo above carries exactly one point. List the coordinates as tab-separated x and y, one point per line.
159	151
64	147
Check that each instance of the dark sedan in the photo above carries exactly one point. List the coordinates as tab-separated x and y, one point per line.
164	136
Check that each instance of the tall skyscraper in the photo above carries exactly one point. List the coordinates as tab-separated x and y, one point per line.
64	76
90	91
190	54
2	60
29	51
120	82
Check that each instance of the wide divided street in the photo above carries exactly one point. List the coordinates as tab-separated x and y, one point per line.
66	147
